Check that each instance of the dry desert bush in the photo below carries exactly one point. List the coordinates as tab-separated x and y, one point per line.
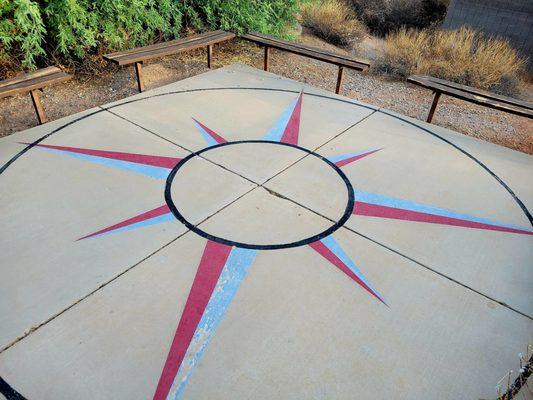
333	21
462	55
384	16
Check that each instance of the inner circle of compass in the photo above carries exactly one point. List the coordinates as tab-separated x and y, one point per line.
174	208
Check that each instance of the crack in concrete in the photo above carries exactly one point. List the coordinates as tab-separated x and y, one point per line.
397	252
279	195
34	328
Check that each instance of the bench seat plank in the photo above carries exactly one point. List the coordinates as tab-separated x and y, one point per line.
33	80
161	45
167	48
308	51
23	76
475	96
428	81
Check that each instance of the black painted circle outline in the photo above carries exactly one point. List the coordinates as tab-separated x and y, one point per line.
347	212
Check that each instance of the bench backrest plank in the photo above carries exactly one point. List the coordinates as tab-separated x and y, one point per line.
33	80
167	48
308	51
475	96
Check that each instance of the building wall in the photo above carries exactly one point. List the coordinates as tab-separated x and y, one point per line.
512	19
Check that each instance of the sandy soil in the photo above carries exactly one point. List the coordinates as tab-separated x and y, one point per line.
83	92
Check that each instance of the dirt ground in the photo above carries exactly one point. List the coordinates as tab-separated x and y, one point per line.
83	92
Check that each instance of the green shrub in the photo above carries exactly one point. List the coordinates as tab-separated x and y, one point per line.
240	16
21	31
129	23
70	26
32	31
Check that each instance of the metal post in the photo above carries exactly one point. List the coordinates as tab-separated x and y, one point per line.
209	55
139	72
267	52
38	107
433	106
339	80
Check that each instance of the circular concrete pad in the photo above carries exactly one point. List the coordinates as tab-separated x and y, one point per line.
416	288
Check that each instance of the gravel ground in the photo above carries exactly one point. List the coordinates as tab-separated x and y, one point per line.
81	93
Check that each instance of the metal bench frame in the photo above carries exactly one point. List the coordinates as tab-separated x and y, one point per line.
473	95
341	61
33	82
138	55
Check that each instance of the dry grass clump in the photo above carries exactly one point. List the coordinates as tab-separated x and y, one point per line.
462	55
403	52
333	21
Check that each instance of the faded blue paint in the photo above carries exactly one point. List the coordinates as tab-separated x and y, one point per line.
276	132
234	271
378	199
342	157
141	224
150	170
332	244
207	137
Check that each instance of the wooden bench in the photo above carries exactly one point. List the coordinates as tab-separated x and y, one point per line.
467	93
138	55
341	61
32	82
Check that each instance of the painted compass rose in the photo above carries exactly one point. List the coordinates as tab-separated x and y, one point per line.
226	260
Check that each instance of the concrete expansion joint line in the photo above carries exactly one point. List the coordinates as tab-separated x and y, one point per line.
279	195
103	285
97	289
503	304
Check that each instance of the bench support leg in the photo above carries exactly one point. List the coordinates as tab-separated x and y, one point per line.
265	60
209	55
433	106
38	107
140	78
339	80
